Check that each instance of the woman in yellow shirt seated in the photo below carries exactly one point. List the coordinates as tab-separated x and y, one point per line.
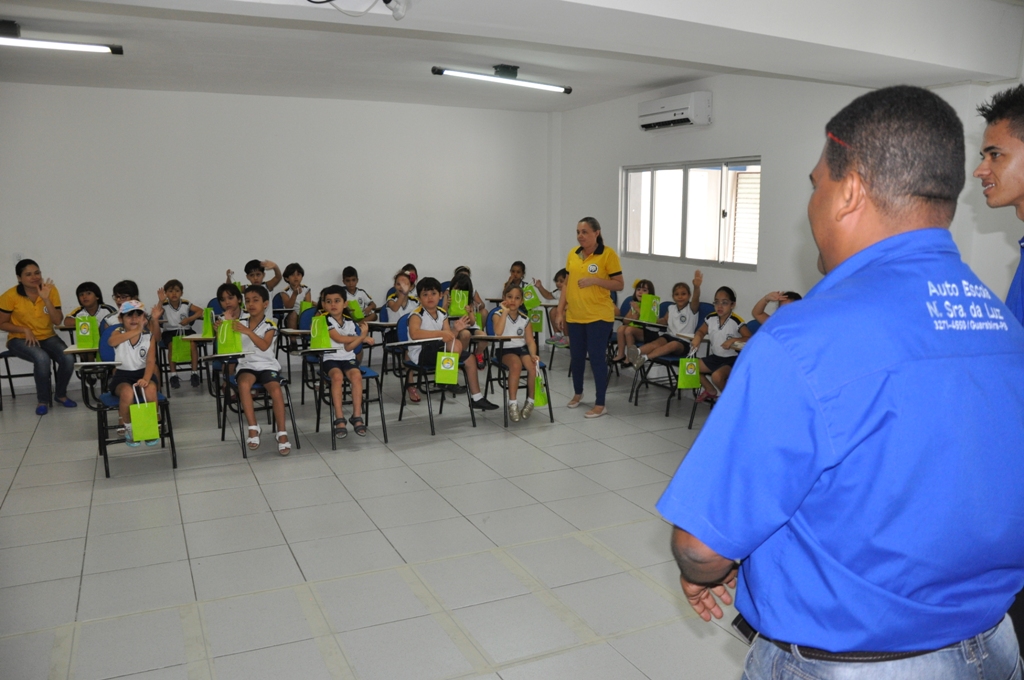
28	312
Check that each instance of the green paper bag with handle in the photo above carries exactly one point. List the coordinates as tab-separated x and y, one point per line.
689	373
87	333
229	341
319	334
537	319
530	297
181	350
143	417
649	307
304	305
479	319
459	302
355	310
540	395
446	371
207	331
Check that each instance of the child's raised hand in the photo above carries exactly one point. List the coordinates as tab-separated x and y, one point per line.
230	273
160	296
775	296
267	264
698	278
364	328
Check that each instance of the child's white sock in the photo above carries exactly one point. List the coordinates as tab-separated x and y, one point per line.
477	396
529	400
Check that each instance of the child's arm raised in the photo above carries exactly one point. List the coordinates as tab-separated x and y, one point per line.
230	274
545	293
277	273
698	279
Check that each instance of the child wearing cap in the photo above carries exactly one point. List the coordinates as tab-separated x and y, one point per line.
132	344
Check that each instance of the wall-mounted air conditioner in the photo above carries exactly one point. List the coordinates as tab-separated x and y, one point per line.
693	108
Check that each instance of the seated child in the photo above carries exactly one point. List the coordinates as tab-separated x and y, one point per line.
410	271
90	303
430	321
475	301
260	366
722	329
255	272
342	365
780	297
461	281
124	291
350	278
295	294
178	316
628	335
558	329
681	320
401	302
133	347
230	300
511	319
516	274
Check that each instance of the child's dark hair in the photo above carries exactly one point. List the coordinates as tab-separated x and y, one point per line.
126	288
294	268
349	272
320	299
461	269
89	287
683	285
646	283
401	273
230	289
410	267
427	283
461	281
518	263
561	273
792	296
334	290
259	290
253	266
174	283
511	286
729	293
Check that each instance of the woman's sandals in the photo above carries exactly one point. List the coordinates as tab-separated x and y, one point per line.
284	448
253	442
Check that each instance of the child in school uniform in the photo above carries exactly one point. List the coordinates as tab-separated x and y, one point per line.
722	329
134	348
680	319
401	302
295	294
350	277
626	334
511	319
462	281
178	315
124	291
778	296
516	274
255	272
561	276
259	366
342	364
430	321
90	303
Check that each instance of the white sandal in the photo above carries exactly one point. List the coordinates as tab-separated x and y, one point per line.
253	443
284	448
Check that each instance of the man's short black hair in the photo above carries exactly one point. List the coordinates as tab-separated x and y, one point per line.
126	288
253	266
906	143
349	272
259	290
427	283
1007	105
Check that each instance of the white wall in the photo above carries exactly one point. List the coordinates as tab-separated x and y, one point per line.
102	184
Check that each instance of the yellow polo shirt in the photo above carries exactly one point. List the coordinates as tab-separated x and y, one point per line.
593	303
29	314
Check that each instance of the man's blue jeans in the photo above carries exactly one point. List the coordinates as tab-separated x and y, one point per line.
51	349
992	655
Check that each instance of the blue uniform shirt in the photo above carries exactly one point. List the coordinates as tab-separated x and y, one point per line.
1015	296
867	457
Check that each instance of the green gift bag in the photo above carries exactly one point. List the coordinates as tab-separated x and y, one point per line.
181	351
649	307
319	334
479	319
540	395
537	319
355	310
87	333
207	323
446	371
459	302
530	297
229	341
143	417
689	373
304	305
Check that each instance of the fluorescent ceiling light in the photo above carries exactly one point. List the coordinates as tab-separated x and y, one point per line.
504	74
10	36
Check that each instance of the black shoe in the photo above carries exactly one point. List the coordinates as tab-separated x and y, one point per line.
456	389
175	383
484	405
194	380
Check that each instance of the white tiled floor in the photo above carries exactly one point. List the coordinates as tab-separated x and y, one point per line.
520	554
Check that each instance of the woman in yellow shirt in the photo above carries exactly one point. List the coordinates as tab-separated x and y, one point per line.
587	308
28	312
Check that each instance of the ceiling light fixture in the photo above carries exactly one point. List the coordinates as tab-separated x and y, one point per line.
504	74
10	35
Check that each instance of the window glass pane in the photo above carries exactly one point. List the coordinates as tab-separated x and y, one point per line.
703	212
668	212
638	212
743	219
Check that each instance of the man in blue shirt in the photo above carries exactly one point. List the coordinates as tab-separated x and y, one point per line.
1001	170
864	461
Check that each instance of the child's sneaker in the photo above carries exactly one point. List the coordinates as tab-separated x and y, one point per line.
194	380
480	361
513	411
175	383
527	410
128	436
152	442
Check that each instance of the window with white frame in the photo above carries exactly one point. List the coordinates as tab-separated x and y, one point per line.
703	211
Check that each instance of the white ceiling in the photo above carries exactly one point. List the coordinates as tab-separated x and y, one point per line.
603	49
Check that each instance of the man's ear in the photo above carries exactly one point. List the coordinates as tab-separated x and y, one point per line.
852	195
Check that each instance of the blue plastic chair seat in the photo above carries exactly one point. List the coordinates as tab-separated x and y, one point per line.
368	372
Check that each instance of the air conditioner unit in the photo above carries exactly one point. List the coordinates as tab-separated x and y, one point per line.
693	108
